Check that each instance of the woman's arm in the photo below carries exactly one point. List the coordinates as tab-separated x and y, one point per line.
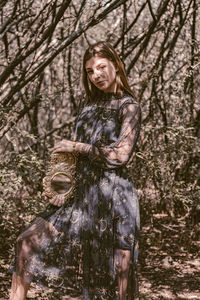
118	153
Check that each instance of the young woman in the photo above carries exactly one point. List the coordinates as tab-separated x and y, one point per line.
90	243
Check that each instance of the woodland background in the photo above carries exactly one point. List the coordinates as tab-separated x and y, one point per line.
41	48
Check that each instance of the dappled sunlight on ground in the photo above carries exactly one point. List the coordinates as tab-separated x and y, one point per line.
169	266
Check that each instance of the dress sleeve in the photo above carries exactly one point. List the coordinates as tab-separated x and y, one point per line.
118	153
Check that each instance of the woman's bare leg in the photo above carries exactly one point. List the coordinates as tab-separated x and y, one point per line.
19	288
122	262
29	243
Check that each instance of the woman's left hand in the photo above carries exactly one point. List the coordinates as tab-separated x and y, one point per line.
64	146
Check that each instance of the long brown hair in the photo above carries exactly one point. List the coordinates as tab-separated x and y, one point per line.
104	50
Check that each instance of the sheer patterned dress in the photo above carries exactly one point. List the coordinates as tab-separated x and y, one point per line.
76	247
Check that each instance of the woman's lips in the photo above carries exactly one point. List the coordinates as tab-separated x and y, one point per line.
101	81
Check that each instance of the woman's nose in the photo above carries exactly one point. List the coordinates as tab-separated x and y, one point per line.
97	74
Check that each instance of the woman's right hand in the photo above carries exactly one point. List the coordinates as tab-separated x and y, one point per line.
57	200
64	146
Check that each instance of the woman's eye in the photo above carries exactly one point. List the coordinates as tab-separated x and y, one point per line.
102	67
89	72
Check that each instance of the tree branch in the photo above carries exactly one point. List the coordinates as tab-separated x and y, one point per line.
18	59
148	35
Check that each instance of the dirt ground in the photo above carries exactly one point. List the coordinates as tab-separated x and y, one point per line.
169	265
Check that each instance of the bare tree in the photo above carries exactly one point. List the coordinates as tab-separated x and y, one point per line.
41	49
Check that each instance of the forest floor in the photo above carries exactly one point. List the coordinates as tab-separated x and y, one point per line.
169	265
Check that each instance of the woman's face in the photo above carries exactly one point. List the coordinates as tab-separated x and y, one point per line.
102	73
